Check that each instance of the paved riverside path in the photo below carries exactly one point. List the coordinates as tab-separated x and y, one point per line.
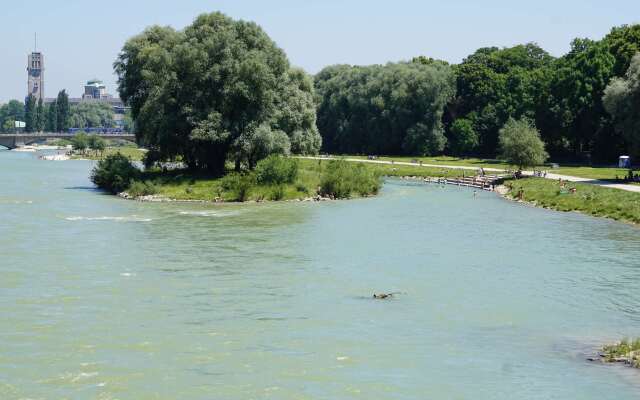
621	186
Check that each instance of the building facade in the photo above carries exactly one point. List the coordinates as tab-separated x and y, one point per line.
35	75
95	89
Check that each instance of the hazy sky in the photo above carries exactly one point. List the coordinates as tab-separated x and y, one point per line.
81	38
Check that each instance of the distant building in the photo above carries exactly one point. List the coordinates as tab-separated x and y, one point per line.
96	90
35	75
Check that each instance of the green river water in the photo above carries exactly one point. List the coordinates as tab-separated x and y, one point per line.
103	298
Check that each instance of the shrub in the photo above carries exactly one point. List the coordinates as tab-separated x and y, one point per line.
239	185
276	170
138	188
115	173
278	193
340	179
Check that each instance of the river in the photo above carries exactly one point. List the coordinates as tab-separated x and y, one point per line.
103	298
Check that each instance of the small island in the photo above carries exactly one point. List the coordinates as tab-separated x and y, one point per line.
626	352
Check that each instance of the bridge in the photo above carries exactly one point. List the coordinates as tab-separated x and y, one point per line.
12	141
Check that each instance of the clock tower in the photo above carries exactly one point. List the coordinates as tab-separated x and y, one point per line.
35	73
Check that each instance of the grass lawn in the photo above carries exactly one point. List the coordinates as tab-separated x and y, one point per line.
180	185
444	160
589	199
603	173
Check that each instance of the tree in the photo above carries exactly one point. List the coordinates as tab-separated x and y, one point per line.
463	138
496	84
622	101
96	143
40	116
91	115
80	142
575	94
9	124
201	93
623	42
30	114
51	124
422	140
9	113
259	143
521	145
390	109
62	111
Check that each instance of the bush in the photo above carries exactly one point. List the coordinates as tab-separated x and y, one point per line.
278	193
115	173
239	185
341	179
276	170
138	188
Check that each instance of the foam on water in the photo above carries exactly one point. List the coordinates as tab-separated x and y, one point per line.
211	213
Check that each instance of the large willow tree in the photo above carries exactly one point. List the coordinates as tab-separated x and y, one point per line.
218	90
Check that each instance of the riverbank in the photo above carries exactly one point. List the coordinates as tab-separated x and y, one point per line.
275	179
133	153
574	196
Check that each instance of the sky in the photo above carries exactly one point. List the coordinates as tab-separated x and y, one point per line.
80	39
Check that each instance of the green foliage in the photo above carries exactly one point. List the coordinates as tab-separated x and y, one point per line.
495	84
463	138
91	115
249	86
278	193
10	112
276	170
114	173
342	179
80	142
261	142
521	145
423	141
390	109
51	110
238	184
622	101
139	188
62	111
96	143
30	114
40	117
626	349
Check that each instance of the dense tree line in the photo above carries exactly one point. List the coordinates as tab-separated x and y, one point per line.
218	90
374	109
37	116
390	109
91	115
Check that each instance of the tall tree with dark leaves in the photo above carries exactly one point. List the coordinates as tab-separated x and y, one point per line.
51	124
62	111
40	116
30	114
